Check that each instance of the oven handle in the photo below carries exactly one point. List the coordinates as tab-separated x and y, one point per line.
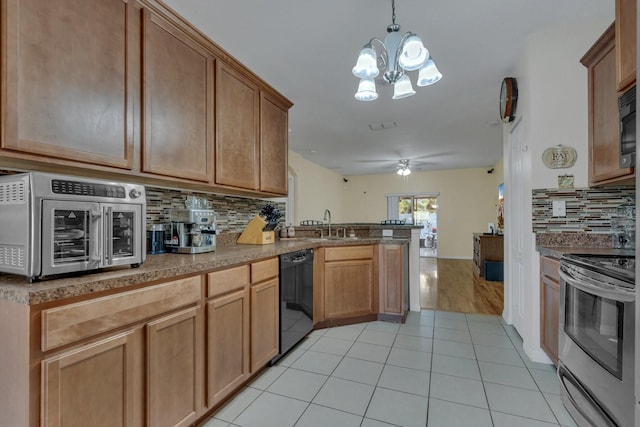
564	374
94	241
611	294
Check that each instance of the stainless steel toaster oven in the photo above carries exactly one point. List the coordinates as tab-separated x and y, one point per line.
55	224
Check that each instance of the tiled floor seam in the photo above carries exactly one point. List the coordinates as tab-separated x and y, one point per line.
431	370
484	389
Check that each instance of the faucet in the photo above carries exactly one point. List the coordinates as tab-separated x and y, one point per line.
327	213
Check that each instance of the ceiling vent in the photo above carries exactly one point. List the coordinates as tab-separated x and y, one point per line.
384	125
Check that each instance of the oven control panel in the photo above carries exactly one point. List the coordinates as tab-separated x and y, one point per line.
59	186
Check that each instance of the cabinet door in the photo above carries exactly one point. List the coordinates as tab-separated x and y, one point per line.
348	288
274	131
264	323
625	43
94	385
227	344
604	140
391	279
68	77
174	369
550	312
237	116
178	102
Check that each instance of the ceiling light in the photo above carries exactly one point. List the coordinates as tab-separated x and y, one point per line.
403	168
398	54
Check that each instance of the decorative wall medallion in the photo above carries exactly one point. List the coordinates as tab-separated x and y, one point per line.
559	157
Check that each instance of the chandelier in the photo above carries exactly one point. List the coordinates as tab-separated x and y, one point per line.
398	54
403	168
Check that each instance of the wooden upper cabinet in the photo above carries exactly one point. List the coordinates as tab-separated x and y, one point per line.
274	131
237	116
625	43
67	78
604	140
177	102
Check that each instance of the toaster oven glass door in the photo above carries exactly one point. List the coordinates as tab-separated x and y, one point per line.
122	229
70	236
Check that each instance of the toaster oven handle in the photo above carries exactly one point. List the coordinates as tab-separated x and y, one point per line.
108	242
95	241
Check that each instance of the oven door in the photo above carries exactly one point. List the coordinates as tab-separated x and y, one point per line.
123	225
71	235
597	342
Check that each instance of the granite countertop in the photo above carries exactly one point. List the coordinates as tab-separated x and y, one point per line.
558	251
15	288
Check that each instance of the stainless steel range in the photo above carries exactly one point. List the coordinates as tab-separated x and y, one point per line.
597	328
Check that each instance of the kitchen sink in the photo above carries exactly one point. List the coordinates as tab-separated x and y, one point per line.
324	239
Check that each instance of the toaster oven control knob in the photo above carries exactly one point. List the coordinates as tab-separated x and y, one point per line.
135	193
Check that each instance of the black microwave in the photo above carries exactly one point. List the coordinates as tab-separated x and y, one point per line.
627	109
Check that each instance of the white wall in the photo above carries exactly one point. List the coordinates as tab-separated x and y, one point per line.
467	202
552	105
316	189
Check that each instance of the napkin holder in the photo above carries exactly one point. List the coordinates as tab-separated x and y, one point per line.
253	234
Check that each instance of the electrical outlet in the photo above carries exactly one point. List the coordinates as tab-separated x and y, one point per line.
559	208
387	233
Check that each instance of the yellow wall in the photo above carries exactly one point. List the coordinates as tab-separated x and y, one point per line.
467	202
316	189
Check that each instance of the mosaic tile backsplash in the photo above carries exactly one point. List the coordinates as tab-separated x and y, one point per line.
232	213
589	210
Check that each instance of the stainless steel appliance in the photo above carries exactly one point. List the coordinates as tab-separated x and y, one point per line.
53	224
296	299
627	110
597	315
192	231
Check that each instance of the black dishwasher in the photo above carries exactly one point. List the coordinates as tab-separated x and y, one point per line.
296	299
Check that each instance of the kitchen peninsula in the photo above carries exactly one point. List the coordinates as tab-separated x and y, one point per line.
121	336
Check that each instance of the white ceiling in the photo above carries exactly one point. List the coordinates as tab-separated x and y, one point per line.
306	49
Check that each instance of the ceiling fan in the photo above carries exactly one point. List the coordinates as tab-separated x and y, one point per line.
409	164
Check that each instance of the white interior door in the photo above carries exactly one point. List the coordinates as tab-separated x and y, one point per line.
518	153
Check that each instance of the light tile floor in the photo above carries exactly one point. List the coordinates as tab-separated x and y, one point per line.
438	369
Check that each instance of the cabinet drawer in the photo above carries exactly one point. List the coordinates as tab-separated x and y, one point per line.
223	281
73	322
550	268
263	270
348	252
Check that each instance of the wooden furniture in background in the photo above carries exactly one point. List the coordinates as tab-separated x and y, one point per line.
626	28
549	306
486	247
604	139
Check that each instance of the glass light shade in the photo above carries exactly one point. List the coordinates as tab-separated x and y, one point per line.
402	88
404	171
367	65
429	73
366	90
400	172
413	54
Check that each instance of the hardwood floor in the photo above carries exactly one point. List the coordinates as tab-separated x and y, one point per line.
451	285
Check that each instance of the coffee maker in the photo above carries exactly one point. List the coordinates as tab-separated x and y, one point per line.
191	231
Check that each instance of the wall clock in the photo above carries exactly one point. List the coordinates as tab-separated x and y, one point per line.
508	99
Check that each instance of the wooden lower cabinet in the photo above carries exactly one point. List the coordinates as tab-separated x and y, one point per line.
96	384
549	306
265	321
174	369
393	298
350	284
227	344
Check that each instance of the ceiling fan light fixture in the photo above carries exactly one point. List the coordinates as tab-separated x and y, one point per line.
397	55
366	90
